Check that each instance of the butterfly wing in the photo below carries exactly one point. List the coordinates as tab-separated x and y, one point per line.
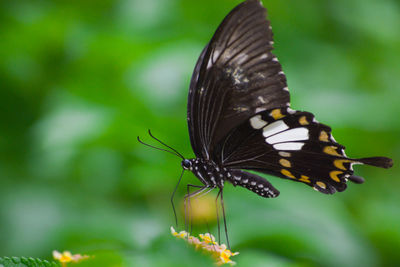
238	113
235	77
292	145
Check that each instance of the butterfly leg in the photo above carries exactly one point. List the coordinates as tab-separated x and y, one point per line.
217	209
172	198
186	203
223	214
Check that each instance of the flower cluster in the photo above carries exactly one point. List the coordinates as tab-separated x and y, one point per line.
207	243
66	257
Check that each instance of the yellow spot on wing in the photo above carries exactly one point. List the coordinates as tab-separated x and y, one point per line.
334	175
339	163
276	114
287	174
303	120
321	184
323	136
285	163
305	179
331	150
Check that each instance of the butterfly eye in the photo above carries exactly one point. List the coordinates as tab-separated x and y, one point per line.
186	164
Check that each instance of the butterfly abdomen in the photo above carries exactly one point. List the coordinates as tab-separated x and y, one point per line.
253	182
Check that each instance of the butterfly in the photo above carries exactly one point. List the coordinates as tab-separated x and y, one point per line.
240	120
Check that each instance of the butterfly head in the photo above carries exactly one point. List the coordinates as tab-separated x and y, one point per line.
186	164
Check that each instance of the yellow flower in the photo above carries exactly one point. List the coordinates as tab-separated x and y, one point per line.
181	234
67	257
207	244
225	255
208	238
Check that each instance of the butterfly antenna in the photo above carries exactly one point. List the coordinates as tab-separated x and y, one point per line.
143	143
166	145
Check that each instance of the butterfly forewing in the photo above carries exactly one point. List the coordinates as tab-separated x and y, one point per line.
235	77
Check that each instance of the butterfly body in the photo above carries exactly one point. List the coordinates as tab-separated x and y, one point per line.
208	172
213	176
240	120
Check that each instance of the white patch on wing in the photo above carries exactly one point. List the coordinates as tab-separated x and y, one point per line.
257	123
261	99
288	146
296	134
275	127
209	64
260	75
284	154
215	55
260	109
263	56
238	76
242	58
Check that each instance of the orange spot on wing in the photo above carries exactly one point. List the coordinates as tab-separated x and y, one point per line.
334	175
305	179
323	136
303	120
331	150
321	184
288	174
277	114
285	163
339	163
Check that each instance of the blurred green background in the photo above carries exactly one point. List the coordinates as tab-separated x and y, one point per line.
80	80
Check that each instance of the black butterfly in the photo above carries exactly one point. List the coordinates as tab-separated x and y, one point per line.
239	117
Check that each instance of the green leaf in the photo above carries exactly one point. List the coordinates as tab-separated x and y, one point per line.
26	262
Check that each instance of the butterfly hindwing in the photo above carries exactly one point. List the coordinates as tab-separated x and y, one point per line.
235	77
292	145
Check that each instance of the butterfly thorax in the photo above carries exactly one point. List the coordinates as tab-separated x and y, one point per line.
209	173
